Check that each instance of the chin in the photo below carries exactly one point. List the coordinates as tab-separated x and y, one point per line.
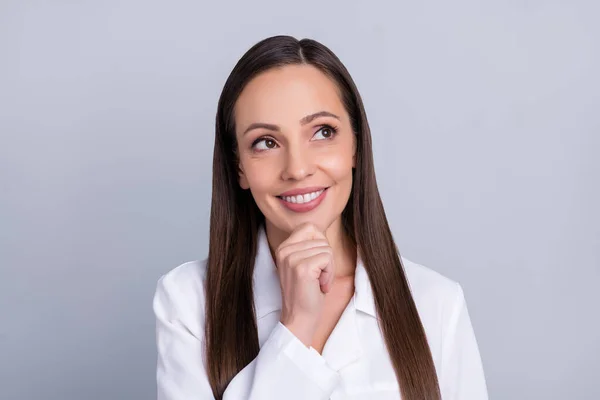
322	222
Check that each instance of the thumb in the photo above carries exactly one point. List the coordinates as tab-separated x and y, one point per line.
326	279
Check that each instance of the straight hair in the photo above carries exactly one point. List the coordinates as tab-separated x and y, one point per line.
230	325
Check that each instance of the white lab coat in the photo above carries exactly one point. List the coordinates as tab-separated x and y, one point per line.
354	363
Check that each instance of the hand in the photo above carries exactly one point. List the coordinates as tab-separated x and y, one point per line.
306	270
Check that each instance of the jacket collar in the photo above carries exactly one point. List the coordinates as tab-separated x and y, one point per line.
267	288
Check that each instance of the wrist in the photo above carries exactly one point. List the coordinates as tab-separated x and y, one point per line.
303	329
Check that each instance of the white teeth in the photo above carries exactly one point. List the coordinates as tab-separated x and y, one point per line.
300	199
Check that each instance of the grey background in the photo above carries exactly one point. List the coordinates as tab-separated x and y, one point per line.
486	137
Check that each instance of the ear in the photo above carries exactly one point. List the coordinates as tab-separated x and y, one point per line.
242	178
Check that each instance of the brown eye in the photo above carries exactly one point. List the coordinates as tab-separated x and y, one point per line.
264	143
326	132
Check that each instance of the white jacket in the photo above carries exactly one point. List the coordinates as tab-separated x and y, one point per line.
354	363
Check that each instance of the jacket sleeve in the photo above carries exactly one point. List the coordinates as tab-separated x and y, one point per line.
462	376
283	369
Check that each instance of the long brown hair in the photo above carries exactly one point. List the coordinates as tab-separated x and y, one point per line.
231	330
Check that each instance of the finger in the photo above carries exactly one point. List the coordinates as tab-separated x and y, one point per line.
296	258
322	267
327	276
285	250
315	264
305	231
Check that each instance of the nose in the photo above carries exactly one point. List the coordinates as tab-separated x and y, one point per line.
298	164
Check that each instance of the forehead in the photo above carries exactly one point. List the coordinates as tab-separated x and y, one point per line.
286	94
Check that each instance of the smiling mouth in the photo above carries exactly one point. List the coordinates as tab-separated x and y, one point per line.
303	198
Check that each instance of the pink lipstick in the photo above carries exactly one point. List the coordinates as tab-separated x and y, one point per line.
304	199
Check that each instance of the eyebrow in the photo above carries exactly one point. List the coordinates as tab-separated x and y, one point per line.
305	120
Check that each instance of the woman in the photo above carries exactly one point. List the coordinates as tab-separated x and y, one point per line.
304	294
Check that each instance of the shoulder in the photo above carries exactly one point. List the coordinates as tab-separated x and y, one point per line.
428	284
436	296
187	278
179	294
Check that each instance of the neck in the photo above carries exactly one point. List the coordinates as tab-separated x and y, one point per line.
344	251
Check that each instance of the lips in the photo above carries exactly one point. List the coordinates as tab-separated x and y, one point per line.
302	191
302	198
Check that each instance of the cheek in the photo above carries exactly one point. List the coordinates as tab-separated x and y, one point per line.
338	163
260	177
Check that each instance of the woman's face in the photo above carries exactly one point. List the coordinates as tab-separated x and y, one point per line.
296	147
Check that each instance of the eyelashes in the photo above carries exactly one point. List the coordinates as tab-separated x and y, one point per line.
272	143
